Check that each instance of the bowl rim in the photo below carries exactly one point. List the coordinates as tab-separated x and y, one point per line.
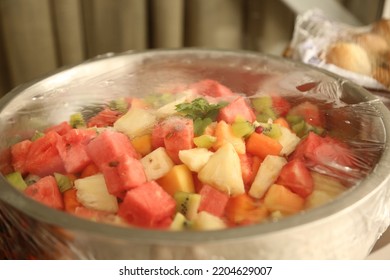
368	186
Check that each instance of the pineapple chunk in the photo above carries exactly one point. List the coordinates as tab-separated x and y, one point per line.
326	189
288	140
266	175
135	122
207	221
92	193
327	184
157	164
223	171
195	158
224	134
170	108
317	198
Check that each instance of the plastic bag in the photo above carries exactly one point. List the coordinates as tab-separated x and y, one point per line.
361	54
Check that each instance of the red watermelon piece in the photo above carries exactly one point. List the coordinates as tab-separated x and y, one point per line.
104	118
72	149
157	136
178	133
19	153
43	158
46	191
239	107
123	174
109	146
213	201
61	128
211	88
148	205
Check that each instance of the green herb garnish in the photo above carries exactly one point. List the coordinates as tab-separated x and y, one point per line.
201	112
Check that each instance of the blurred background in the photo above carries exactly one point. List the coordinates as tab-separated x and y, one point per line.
39	36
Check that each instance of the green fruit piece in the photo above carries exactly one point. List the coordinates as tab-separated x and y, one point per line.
63	182
180	222
77	120
265	115
242	128
187	204
262	103
16	180
272	130
37	135
31	179
156	100
204	141
299	128
294	119
119	105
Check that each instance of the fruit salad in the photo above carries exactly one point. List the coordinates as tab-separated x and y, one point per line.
199	158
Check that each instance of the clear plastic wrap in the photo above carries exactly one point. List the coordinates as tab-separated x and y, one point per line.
360	54
357	217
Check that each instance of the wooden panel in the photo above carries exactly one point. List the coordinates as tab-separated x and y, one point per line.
167	23
115	26
28	38
69	33
214	23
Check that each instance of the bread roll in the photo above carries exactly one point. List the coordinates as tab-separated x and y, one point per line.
373	43
382	28
382	75
349	56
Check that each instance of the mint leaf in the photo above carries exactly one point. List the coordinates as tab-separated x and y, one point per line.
200	125
201	112
200	108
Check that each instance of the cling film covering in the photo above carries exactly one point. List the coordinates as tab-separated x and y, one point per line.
351	181
359	53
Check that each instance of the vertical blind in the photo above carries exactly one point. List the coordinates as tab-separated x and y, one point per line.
38	36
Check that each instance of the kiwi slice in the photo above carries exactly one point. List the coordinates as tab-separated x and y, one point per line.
16	180
77	120
37	135
119	105
31	179
205	141
187	204
242	128
272	130
180	222
63	182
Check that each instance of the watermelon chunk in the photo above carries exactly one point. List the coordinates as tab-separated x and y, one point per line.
178	135
61	128
104	118
109	146
249	166
157	136
43	158
72	149
147	206
211	88
239	107
47	192
19	153
213	201
123	174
